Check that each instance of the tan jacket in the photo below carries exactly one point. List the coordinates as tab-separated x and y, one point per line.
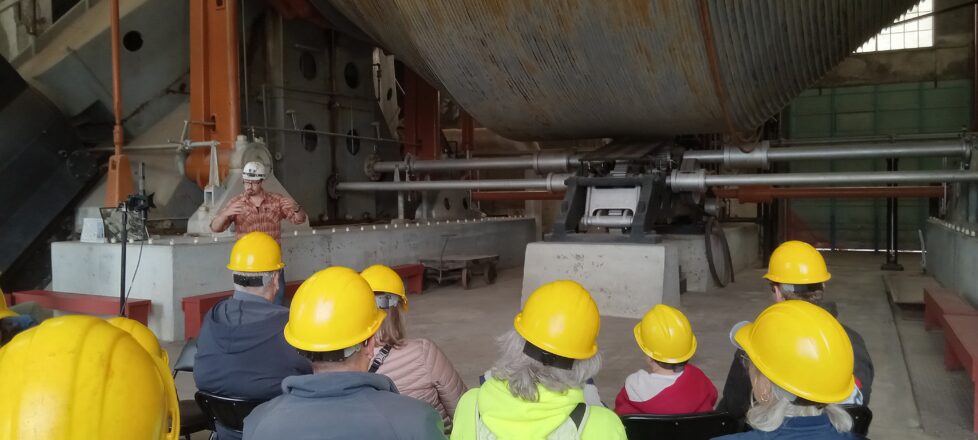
420	370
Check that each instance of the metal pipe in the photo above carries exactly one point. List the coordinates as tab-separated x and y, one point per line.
761	156
329	133
872	139
766	194
553	182
542	163
117	133
480	196
699	181
231	59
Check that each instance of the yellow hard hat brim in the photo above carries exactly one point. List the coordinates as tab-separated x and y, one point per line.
236	268
743	341
637	330
813	280
550	348
303	344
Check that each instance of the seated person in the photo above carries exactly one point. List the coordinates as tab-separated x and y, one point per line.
800	362
418	367
797	271
12	322
673	386
79	377
333	322
535	391
241	351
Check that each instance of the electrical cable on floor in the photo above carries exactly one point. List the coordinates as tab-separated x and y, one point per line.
139	259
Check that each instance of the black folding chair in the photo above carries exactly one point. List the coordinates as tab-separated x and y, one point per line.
694	426
862	416
192	418
230	412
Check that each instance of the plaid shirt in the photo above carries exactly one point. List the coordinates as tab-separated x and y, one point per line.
266	217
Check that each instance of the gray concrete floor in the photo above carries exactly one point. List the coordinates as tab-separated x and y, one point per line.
464	324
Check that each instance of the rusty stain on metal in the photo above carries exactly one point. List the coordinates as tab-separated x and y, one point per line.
711	56
572	69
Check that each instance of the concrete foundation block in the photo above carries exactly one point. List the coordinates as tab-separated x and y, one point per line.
624	279
172	268
743	239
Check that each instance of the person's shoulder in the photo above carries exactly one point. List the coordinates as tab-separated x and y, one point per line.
238	197
602	413
468	399
603	423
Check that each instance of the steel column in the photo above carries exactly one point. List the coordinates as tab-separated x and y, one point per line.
422	119
215	95
892	227
119	179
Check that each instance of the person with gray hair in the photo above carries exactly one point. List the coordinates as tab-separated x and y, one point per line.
800	364
241	350
535	388
797	271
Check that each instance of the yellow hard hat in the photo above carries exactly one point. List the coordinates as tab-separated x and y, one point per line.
4	311
256	252
147	339
332	310
384	279
797	262
561	318
664	334
800	347
78	377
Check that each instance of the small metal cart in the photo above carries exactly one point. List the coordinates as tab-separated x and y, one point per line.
460	267
463	267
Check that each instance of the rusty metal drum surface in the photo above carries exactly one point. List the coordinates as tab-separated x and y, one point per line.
534	69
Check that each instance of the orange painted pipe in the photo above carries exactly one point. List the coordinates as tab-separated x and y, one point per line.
119	180
766	194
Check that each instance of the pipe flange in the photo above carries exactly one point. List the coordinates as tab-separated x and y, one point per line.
331	182
368	167
683	181
756	157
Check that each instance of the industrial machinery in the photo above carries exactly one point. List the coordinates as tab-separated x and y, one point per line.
344	101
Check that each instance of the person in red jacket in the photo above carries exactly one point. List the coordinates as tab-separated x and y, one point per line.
673	386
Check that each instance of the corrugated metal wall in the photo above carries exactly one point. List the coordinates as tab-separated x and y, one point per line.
902	108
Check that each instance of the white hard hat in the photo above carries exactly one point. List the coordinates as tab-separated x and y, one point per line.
253	171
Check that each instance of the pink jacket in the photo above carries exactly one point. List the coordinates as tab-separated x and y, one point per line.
420	370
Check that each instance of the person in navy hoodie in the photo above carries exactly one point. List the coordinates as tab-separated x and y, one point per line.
673	386
800	361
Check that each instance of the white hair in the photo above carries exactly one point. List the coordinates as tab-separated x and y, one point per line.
523	373
769	414
266	279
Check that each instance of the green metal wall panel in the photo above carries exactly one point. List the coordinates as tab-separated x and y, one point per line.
902	108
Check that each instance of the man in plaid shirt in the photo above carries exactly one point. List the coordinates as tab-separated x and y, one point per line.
258	210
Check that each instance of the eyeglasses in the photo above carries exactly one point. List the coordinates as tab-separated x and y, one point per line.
744	360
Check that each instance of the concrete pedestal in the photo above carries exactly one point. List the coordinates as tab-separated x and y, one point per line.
624	279
628	279
171	268
743	240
